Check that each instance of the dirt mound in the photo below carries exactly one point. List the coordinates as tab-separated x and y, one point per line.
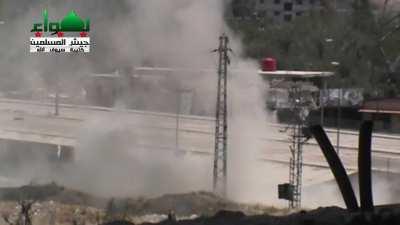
183	205
119	222
321	216
49	192
208	208
195	203
47	211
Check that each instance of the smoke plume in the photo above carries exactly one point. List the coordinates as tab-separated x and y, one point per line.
162	33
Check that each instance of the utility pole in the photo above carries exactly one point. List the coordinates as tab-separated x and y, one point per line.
221	123
178	112
322	97
339	119
57	98
300	106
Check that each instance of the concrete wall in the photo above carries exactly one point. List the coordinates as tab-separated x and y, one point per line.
384	122
22	162
395	122
385	187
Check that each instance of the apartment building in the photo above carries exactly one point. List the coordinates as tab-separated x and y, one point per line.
285	10
243	8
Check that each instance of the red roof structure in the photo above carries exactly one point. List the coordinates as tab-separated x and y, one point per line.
382	106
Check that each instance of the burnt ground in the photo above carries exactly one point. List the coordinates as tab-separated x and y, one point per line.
321	216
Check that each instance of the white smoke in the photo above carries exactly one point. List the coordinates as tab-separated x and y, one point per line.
167	33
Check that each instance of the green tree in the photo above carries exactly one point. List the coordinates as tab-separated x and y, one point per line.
314	41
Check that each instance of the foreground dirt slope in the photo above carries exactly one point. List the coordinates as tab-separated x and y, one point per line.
321	216
199	203
58	205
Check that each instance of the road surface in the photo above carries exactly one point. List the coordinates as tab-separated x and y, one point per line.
35	122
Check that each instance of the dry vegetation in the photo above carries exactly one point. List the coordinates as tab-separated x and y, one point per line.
55	205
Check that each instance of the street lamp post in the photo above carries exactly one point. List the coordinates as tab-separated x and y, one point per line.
324	95
322	98
183	105
339	102
57	97
56	103
178	111
339	118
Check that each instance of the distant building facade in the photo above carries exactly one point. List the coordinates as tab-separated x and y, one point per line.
243	8
285	10
277	10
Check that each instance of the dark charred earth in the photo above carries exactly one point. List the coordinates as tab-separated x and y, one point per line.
322	216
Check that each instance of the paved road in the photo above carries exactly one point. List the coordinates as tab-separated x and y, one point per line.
32	121
20	120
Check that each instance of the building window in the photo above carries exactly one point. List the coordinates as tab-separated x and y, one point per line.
277	1
299	2
312	2
262	2
300	13
288	6
277	13
287	18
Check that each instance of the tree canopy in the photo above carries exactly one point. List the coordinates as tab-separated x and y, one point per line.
361	45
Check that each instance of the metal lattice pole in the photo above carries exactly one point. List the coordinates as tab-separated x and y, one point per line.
296	148
299	167
292	166
221	125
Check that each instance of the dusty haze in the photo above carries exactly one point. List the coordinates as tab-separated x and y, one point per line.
163	33
173	33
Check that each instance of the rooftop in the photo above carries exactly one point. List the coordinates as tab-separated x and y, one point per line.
383	106
295	74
